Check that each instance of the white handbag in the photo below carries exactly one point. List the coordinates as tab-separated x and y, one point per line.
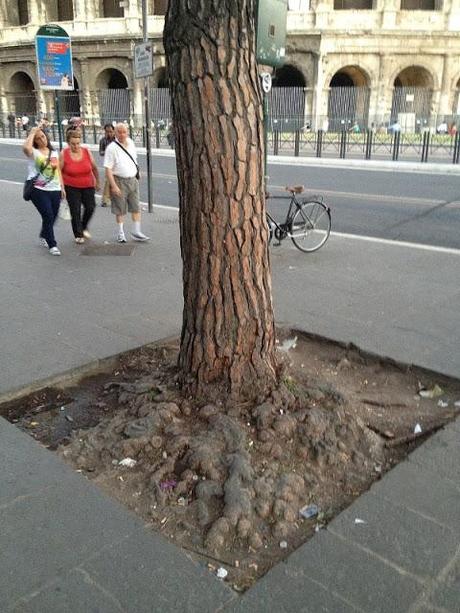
64	211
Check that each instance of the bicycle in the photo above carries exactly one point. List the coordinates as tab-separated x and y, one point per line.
307	223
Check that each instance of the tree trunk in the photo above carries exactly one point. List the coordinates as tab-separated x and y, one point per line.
227	340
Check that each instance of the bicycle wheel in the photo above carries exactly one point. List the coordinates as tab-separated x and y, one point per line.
311	226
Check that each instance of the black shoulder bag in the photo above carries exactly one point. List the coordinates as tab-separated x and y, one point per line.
128	153
30	183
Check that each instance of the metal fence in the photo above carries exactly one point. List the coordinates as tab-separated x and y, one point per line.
347	130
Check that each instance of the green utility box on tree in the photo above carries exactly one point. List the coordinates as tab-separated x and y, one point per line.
271	32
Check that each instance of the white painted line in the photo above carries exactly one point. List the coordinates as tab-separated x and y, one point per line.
310	191
393	243
369	239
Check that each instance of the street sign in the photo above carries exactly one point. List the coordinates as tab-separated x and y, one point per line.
271	32
143	60
54	58
266	78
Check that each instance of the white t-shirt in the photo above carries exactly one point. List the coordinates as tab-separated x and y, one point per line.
119	161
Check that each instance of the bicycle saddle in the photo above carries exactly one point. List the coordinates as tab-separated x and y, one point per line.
295	189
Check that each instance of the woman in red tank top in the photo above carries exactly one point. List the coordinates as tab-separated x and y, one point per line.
81	179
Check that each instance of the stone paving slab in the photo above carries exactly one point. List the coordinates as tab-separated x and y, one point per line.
144	580
286	591
75	592
413	543
408	486
441	455
55	522
354	574
447	594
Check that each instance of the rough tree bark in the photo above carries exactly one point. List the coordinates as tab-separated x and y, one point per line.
227	340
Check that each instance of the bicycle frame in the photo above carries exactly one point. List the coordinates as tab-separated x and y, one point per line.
294	206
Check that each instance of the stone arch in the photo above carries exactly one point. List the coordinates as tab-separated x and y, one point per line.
289	76
286	100
456	100
160	77
114	96
348	101
158	7
22	94
111	78
412	95
71	104
160	101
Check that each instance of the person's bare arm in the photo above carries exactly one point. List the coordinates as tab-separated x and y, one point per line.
95	171
113	186
27	147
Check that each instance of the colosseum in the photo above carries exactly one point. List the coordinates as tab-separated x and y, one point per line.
365	62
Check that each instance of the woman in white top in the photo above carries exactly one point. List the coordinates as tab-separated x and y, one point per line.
48	189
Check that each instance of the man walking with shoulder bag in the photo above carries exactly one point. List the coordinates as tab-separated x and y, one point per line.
122	172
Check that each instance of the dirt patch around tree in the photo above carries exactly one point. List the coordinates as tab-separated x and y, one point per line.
241	486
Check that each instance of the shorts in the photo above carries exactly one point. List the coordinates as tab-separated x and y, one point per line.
129	199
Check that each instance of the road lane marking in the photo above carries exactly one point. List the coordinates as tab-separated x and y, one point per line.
311	191
387	241
369	239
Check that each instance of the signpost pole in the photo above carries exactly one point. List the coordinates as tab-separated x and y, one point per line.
58	117
265	119
148	128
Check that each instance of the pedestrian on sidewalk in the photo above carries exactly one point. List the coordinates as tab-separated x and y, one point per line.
47	186
122	172
80	176
11	124
109	136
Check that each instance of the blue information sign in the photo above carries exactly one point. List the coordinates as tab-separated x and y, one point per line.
54	58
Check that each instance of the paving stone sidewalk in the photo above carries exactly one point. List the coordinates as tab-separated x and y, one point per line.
66	548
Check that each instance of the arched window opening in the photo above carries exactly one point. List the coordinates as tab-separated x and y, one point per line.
160	101
65	10
113	95
70	102
353	5
159	7
112	8
456	109
421	5
22	95
23	13
286	100
412	94
348	102
162	77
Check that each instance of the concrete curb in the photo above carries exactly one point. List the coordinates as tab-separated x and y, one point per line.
72	376
441	168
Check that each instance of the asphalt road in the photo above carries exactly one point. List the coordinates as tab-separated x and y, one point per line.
401	206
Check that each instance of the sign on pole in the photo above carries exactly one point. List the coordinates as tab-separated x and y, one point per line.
143	60
271	32
54	58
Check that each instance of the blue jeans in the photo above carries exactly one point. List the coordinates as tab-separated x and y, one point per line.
47	204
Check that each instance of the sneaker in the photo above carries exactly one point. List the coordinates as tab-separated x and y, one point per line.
139	236
79	240
42	242
55	251
121	238
86	234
